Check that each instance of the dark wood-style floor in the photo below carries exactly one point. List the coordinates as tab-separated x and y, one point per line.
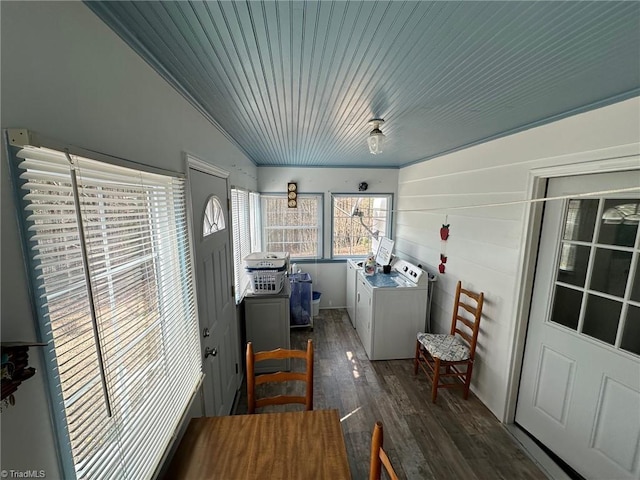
453	439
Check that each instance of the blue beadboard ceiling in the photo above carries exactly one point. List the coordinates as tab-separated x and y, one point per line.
295	82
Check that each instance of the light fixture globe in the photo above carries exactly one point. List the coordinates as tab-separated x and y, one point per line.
376	138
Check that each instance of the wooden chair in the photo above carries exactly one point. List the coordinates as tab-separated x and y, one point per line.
279	354
379	457
454	352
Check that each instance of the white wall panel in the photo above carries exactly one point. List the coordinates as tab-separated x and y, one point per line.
327	180
466	182
330	280
485	244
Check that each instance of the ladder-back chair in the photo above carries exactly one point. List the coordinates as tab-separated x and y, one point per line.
448	359
254	380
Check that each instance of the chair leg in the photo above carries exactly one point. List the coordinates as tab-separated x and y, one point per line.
467	380
415	361
436	379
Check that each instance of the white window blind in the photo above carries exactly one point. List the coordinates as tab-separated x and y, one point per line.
241	238
256	219
120	316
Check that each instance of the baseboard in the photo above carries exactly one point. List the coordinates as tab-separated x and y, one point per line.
550	468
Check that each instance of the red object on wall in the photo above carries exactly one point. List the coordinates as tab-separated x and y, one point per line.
444	231
444	235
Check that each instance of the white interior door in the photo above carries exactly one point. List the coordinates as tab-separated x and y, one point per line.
580	386
214	280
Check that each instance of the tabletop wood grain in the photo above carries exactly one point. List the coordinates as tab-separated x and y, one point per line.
290	445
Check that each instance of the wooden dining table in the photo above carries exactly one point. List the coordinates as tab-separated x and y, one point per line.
287	446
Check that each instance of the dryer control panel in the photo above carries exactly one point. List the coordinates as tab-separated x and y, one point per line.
409	271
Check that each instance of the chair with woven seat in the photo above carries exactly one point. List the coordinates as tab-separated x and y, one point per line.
379	457
254	380
448	359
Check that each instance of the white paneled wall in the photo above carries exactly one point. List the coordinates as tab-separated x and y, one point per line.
484	249
330	280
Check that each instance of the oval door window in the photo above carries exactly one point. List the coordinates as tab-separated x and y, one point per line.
213	217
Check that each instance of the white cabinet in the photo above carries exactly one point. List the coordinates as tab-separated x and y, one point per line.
351	291
364	313
267	322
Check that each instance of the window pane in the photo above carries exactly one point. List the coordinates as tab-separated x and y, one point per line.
610	271
631	335
566	307
357	222
635	290
573	264
601	318
293	230
213	219
619	222
242	244
136	239
581	219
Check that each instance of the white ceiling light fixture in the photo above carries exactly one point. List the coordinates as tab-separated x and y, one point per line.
375	140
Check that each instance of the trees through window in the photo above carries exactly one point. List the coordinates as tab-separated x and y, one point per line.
358	223
294	230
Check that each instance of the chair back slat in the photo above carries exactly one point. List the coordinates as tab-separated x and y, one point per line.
470	294
280	400
279	377
469	323
280	354
469	308
465	336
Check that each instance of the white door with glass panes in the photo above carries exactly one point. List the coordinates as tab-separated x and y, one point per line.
214	281
580	386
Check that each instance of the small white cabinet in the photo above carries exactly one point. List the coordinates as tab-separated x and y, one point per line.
267	320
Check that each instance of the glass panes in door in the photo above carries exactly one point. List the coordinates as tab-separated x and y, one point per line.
597	288
213	218
631	335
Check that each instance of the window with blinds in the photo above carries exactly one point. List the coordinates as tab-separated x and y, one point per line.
256	219
111	269
244	215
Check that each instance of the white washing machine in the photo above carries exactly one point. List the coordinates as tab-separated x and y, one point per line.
390	310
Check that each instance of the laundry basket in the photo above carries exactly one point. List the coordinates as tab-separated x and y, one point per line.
266	281
266	260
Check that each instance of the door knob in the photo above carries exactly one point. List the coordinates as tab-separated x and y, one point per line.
205	332
210	351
